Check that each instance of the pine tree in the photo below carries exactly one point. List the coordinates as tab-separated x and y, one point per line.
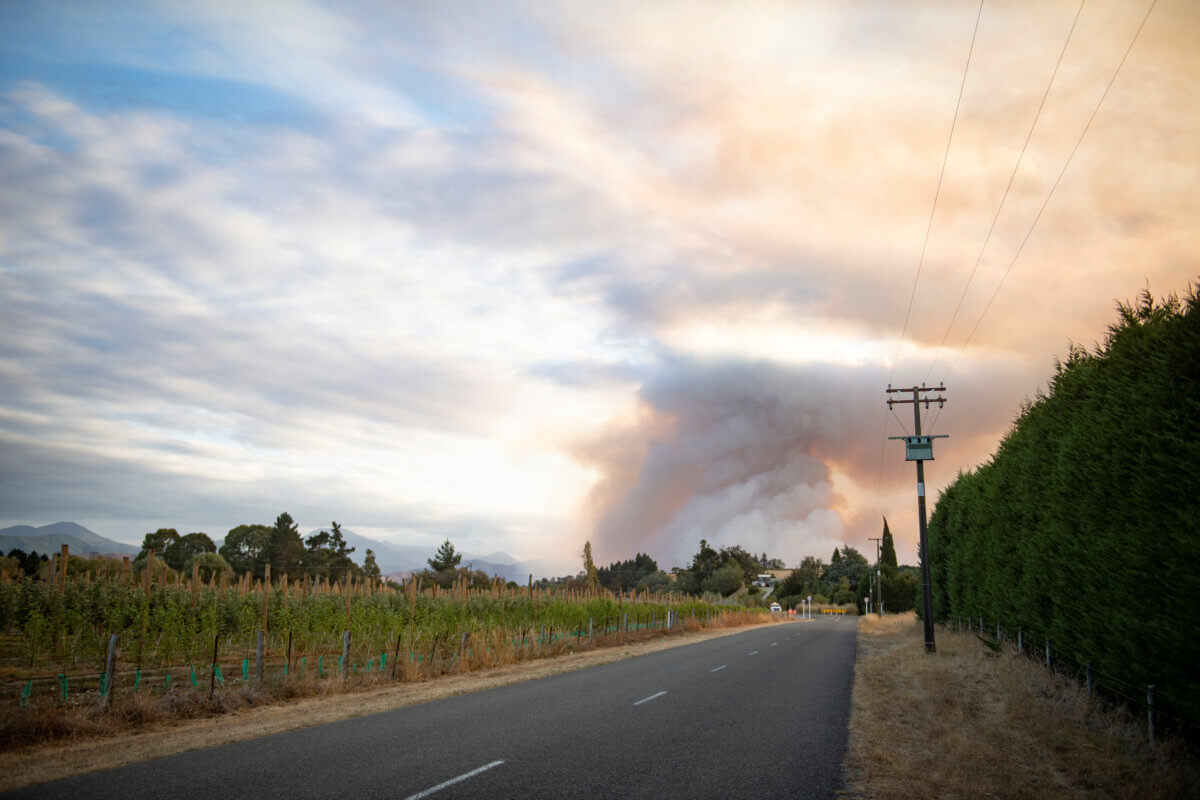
888	548
445	558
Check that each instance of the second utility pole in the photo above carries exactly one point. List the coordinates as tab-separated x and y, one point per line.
920	449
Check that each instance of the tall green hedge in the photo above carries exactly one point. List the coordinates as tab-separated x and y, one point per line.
1084	527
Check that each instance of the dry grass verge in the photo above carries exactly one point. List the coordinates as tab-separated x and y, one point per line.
136	729
969	722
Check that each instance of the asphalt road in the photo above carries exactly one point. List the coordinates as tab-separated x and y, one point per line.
759	714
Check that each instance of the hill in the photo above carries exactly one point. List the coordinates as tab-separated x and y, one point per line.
50	538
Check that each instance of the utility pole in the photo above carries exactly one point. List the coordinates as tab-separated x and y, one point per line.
875	578
919	448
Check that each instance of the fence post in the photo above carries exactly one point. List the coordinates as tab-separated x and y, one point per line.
258	660
591	631
1150	711
1047	654
626	623
997	630
109	664
212	679
1020	644
346	653
1088	667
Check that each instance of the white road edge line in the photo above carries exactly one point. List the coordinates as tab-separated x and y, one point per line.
453	781
774	643
718	669
648	699
753	652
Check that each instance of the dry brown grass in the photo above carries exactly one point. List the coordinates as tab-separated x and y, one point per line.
968	722
37	746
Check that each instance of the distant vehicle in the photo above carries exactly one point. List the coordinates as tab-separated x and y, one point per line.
776	607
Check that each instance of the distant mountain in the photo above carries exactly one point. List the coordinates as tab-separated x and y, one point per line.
396	558
50	539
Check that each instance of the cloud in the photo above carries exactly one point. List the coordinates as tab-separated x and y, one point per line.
515	271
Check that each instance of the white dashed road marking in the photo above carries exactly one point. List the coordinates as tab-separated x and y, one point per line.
648	699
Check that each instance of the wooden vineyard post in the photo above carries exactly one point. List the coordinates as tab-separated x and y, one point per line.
266	590
347	585
65	559
110	664
212	677
195	582
124	570
258	660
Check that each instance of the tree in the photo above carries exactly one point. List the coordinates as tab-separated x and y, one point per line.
285	549
180	552
725	580
245	548
326	554
446	558
746	561
589	567
888	549
370	568
210	565
623	575
706	561
159	542
30	563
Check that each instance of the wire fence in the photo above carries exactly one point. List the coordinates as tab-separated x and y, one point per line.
271	661
1163	711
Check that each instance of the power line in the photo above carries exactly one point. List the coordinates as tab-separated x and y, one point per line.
1007	189
928	228
937	193
1058	180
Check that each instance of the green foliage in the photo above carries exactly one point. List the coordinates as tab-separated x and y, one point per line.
725	580
211	565
708	562
30	563
245	548
590	576
327	556
899	591
887	550
1085	525
624	575
446	558
285	548
163	628
370	568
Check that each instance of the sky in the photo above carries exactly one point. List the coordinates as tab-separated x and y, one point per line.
523	275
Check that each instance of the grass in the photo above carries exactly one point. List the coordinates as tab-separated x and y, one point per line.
973	722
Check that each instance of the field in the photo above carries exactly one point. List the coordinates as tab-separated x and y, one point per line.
194	646
973	722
